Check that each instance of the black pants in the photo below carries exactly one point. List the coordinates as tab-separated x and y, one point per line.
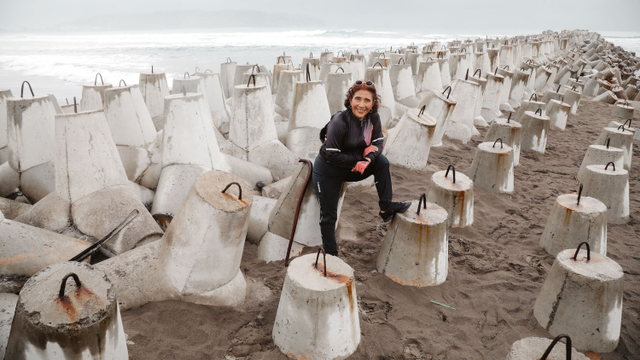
327	181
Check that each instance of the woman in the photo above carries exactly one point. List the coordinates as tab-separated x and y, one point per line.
352	151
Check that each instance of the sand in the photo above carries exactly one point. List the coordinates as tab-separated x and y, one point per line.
496	269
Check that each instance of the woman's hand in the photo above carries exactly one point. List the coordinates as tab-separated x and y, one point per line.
360	166
369	149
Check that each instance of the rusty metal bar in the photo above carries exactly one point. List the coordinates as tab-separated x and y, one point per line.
239	189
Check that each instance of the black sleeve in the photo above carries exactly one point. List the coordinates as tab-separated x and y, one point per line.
336	133
377	137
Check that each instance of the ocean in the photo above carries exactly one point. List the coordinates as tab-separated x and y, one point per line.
59	63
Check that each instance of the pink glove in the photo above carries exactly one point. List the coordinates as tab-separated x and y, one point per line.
360	166
369	149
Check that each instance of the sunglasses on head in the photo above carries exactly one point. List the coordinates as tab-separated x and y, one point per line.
367	83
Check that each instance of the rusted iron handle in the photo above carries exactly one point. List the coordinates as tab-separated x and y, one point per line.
478	71
252	76
239	189
445	90
401	59
453	172
607	143
93	248
423	202
378	63
506	67
422	110
75	105
580	193
152	69
509	119
575	256
558	90
539	109
229	59
627	121
382	55
291	63
186	74
340	52
534	95
95	81
621	127
466	77
281	58
254	67
308	73
339	68
494	143
496	73
324	256
440	55
22	89
64	283
121	82
612	164
209	70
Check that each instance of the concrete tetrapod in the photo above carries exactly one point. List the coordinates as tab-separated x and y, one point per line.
506	90
428	77
510	132
558	113
600	155
455	194
492	93
461	123
529	105
92	95
611	186
286	91
227	72
531	349
572	97
55	320
4	141
535	128
131	126
439	107
402	84
337	84
622	111
582	297
317	317
380	77
518	85
153	88
627	126
478	120
31	143
214	95
415	250
492	168
310	106
621	138
574	219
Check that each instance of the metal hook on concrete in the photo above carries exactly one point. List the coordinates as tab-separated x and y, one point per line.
22	89
423	202
75	105
295	217
532	95
186	73
229	59
575	256
324	256
401	59
293	66
580	193
311	55
627	121
422	110
621	127
506	67
440	55
239	189
281	58
539	109
445	90
63	285
252	76
558	90
209	70
122	82
351	58
612	164
453	172
197	69
476	72
95	81
254	67
466	77
308	73
496	71
339	68
340	52
494	143
96	246
509	119
607	142
378	63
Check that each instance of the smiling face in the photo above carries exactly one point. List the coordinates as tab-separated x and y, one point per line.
361	103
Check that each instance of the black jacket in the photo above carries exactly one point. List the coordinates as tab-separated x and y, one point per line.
347	137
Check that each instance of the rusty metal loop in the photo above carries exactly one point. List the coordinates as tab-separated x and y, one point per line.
239	189
403	62
308	73
463	49
67	100
494	143
378	63
351	58
612	164
558	90
254	67
152	69
496	72
209	70
229	60
252	76
63	285
453	172
621	127
466	77
340	52
627	121
324	257
509	118
122	81
22	89
429	58
423	202
607	142
291	63
186	73
422	110
478	71
281	58
197	69
532	95
339	68
75	105
580	193
445	90
575	256
539	109
440	55
506	67
95	81
295	217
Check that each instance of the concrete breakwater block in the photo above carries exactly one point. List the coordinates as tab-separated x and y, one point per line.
611	186
286	94
558	113
492	167
67	311
93	95
4	141
510	132
622	138
410	144
214	95
453	192
317	317
574	219
600	155
154	88
582	297
415	250
535	129
532	348
440	106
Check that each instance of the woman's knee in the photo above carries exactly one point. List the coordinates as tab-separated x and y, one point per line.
382	161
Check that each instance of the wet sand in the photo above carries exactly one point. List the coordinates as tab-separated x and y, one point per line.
496	269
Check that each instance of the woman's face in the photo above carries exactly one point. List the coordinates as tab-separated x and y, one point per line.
361	103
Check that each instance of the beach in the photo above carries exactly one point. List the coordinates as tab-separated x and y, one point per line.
496	270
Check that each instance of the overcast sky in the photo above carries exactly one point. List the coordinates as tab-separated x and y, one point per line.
383	15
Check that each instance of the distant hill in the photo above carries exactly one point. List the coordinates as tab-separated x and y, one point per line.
190	20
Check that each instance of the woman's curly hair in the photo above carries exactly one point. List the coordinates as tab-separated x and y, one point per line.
372	89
